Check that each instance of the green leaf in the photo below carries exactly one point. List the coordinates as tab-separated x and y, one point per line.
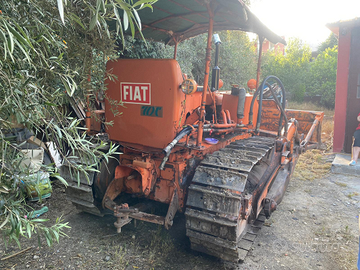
148	6
93	21
132	27
20	29
18	36
102	8
58	131
2	35
116	12
137	18
48	238
17	241
62	180
141	2
61	10
28	229
5	50
119	26
105	27
125	20
73	123
55	233
78	177
4	222
66	83
50	104
23	51
10	40
39	220
76	19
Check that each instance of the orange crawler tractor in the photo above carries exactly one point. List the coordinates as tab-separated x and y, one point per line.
224	159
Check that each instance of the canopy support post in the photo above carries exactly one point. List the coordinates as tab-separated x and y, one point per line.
206	77
261	40
175	49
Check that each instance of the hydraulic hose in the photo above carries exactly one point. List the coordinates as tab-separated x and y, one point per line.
260	91
170	146
282	109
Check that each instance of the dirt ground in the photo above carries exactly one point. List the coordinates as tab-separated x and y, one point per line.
315	227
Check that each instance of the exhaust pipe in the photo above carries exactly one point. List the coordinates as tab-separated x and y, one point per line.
216	70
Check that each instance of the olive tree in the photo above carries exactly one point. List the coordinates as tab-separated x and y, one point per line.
51	53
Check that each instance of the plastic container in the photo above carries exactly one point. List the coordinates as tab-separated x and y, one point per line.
211	140
37	183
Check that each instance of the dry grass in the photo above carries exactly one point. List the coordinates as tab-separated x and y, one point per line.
160	243
352	194
341	184
120	254
312	165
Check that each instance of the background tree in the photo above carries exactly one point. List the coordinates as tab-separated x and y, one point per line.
237	57
291	68
330	42
303	75
322	77
48	51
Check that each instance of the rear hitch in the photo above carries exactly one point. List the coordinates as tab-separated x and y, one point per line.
122	213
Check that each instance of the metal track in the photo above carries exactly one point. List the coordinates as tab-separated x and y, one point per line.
80	193
217	194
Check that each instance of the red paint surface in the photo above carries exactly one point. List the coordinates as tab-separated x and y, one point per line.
156	82
341	89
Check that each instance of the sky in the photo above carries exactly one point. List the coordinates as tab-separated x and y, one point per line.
305	19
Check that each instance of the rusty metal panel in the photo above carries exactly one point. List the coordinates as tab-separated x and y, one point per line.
270	119
353	102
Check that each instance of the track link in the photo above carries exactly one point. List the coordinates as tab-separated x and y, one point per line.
217	195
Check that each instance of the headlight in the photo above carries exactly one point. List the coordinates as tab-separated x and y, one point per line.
189	86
